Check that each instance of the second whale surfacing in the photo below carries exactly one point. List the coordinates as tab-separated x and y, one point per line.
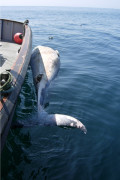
45	64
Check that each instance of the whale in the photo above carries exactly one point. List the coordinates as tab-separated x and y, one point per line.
45	65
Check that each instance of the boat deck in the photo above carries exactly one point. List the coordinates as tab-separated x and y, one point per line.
8	55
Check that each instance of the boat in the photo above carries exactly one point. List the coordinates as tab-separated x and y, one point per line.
14	60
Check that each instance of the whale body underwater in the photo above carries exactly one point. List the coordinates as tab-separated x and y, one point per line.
45	64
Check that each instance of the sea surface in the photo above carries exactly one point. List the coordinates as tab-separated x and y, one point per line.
87	88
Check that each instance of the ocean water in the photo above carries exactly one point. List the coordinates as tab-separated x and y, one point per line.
87	88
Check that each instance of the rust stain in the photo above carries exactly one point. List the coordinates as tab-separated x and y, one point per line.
2	102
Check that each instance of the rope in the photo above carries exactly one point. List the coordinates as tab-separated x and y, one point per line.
6	80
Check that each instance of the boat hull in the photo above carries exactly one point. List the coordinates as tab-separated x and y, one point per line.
18	71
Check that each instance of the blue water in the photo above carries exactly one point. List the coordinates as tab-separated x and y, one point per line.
87	88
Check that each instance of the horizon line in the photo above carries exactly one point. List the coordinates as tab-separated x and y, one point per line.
60	6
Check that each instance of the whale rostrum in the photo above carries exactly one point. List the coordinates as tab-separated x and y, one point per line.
45	64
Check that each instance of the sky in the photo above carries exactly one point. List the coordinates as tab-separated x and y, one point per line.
72	3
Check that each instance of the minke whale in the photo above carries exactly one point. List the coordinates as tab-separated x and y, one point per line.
45	64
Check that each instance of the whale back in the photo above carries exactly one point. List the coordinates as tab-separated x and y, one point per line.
45	63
